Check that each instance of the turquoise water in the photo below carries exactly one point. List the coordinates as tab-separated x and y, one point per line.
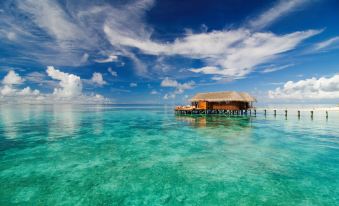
109	155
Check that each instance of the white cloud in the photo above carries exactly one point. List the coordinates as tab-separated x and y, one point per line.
112	72
132	84
110	58
207	70
69	86
313	88
273	68
50	30
327	43
215	43
12	78
98	79
11	36
69	90
167	82
231	53
51	17
9	91
84	58
179	87
258	48
277	11
169	96
154	92
27	91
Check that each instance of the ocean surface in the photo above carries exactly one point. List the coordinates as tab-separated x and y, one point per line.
146	155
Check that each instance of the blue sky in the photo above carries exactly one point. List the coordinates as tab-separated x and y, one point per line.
165	51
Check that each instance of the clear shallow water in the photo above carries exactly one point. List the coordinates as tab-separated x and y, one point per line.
106	155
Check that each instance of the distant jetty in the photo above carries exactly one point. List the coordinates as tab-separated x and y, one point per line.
227	102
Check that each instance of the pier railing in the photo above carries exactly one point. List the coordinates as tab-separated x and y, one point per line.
190	110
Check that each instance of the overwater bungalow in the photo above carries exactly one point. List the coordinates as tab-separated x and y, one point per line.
230	102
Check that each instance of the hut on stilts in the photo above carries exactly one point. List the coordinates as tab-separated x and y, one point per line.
228	102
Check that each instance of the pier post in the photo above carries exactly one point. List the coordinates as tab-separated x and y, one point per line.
275	112
311	114
298	114
250	112
265	112
285	113
255	112
326	114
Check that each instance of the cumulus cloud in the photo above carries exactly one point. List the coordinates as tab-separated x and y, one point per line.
97	79
9	91
68	90
12	78
69	84
179	87
167	82
313	88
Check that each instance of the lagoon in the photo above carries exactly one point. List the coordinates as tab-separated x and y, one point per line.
146	155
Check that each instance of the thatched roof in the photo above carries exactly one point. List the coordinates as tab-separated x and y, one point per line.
223	96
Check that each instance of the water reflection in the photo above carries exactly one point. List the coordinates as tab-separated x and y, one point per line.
13	119
215	121
219	126
65	120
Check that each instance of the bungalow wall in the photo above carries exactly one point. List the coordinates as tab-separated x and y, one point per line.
203	105
222	105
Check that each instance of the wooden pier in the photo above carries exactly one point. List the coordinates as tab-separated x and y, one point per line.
187	111
190	110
